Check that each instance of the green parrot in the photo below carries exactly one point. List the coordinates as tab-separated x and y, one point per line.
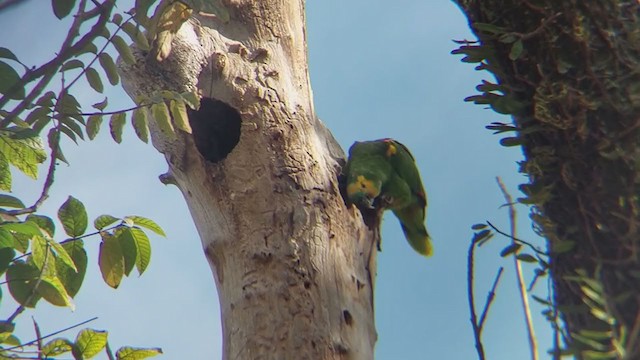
382	174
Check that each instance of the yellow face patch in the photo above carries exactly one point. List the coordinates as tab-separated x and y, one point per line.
391	149
363	186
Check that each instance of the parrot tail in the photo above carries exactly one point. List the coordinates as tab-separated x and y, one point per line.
414	230
419	240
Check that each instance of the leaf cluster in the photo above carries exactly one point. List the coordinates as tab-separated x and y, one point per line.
37	261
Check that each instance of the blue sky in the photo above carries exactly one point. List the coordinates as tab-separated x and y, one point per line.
378	69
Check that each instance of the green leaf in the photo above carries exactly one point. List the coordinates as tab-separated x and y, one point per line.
27	228
38	113
103	221
62	8
21	279
526	258
72	280
562	246
512	248
89	48
129	248
489	28
73	125
46	100
57	346
124	50
6	239
72	64
116	124
70	134
11	201
44	223
147	224
137	36
6	256
216	7
68	104
130	353
93	126
7	54
6	329
105	33
143	246
511	141
89	343
116	19
541	300
52	290
481	235
161	115
516	50
508	38
54	140
94	79
109	68
598	335
62	255
101	105
40	252
24	152
599	355
8	79
140	124
5	174
111	261
179	114
73	217
478	226
12	341
191	99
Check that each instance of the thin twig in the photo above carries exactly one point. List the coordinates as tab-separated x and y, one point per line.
472	308
97	55
108	112
52	334
47	71
516	239
109	352
490	296
70	240
533	343
38	336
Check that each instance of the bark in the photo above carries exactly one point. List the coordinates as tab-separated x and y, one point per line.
292	263
573	92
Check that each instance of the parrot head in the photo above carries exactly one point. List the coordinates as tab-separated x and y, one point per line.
363	191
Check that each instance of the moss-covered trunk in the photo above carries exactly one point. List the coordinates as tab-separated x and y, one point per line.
569	73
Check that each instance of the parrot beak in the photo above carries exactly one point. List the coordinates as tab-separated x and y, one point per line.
367	203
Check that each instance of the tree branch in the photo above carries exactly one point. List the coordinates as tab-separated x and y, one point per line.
38	336
490	296
48	70
531	336
472	308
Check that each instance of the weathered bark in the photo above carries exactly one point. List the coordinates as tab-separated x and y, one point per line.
574	95
291	262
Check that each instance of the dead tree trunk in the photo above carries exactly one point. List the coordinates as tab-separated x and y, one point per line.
568	73
291	262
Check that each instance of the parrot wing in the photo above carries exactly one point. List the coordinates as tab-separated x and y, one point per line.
404	165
